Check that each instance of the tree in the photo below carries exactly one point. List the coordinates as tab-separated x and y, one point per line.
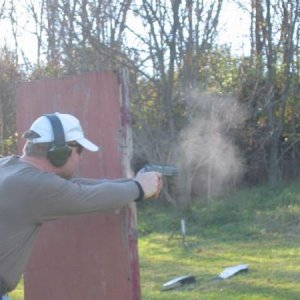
179	35
9	77
274	35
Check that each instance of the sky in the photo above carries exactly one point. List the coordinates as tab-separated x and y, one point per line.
234	28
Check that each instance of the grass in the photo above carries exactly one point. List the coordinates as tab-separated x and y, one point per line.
259	227
18	293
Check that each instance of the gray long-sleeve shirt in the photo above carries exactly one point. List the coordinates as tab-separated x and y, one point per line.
29	197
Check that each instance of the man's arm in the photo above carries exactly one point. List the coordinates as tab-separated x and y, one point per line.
54	197
92	181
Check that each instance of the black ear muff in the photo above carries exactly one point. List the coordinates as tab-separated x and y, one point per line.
59	151
58	156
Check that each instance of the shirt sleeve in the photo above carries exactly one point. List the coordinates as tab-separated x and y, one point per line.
92	181
55	197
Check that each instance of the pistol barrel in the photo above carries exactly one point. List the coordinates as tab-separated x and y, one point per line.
166	170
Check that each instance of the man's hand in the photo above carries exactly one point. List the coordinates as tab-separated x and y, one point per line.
151	183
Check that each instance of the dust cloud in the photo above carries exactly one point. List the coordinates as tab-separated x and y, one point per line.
207	153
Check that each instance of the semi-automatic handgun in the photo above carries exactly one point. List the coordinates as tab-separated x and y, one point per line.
166	170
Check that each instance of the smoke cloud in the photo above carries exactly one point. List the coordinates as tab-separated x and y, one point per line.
208	156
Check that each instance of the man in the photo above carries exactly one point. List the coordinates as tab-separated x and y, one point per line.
39	186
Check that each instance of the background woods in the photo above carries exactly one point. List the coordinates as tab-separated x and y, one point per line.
224	117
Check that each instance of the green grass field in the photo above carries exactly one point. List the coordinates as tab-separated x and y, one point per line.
258	227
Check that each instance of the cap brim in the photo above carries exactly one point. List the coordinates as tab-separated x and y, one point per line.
87	144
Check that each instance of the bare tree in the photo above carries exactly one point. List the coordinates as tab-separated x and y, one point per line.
178	36
274	37
2	9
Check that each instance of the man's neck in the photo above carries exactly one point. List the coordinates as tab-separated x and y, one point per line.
43	164
38	162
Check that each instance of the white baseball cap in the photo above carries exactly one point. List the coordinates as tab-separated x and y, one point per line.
72	130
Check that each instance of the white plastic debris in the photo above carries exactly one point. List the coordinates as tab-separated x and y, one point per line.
178	281
231	271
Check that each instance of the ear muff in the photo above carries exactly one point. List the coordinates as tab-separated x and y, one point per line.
59	151
58	156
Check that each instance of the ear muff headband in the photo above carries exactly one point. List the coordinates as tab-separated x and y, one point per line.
59	151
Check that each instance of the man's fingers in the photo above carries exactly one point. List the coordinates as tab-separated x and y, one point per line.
151	183
159	186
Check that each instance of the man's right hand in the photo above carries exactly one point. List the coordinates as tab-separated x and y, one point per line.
151	183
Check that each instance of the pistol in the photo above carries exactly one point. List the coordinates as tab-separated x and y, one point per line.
166	170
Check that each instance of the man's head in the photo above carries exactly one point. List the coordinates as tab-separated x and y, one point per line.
54	137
